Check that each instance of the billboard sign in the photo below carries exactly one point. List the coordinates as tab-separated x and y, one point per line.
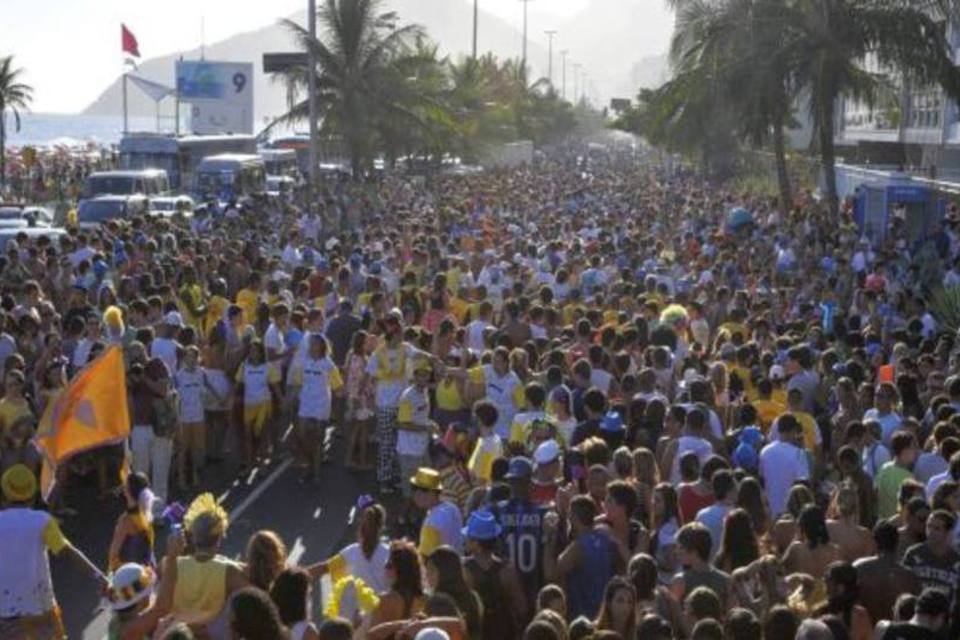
220	95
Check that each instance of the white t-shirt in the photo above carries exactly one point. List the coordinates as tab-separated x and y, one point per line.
393	381
318	378
166	350
27	589
414	408
475	331
601	379
273	339
782	464
190	389
373	570
888	423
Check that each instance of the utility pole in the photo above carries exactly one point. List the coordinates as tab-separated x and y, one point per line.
312	99
576	81
475	29
550	33
524	58
563	72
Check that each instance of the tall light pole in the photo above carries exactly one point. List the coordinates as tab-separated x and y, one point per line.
312	97
524	58
576	81
475	29
563	72
550	33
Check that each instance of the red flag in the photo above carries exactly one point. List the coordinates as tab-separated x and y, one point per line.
129	42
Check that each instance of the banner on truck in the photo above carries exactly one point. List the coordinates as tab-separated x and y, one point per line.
220	95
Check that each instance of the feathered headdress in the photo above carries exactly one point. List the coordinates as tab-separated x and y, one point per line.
113	317
205	506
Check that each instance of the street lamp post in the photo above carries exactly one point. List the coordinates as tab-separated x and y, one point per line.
550	33
524	58
563	72
312	98
576	82
475	29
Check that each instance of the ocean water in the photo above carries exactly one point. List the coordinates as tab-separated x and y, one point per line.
68	129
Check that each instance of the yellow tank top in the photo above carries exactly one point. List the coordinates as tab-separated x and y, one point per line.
200	592
448	396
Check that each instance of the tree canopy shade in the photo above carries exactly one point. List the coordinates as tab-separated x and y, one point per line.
754	60
383	89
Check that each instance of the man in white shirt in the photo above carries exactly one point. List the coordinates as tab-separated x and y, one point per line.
165	346
477	328
782	463
952	473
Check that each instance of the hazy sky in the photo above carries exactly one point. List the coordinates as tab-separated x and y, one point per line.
71	48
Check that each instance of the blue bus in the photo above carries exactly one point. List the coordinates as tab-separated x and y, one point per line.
178	156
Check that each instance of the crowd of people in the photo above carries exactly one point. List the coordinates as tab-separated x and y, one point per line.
594	407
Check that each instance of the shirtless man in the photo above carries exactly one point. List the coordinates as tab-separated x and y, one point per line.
881	577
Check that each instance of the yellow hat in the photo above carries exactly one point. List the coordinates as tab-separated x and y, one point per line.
19	483
427	479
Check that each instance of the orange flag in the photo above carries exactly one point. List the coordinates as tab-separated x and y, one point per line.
91	412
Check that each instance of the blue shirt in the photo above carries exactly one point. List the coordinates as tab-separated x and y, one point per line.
587	581
712	518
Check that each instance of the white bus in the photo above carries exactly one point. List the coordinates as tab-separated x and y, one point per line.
149	182
178	156
229	176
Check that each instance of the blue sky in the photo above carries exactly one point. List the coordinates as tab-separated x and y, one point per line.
70	49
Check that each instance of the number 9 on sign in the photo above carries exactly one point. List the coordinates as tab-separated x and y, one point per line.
239	81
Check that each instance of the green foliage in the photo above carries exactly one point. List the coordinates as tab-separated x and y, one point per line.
383	89
15	96
944	305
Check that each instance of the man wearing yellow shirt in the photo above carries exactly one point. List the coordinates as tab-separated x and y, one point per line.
489	446
812	439
443	522
767	408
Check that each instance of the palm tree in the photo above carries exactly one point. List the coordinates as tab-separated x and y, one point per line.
15	96
832	39
744	46
357	80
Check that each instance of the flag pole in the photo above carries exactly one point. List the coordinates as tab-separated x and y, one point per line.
125	129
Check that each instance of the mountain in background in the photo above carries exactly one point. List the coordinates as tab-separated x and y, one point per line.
606	38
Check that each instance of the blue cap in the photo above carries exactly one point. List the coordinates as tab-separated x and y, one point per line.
356	259
482	525
746	457
611	422
100	268
520	467
376	268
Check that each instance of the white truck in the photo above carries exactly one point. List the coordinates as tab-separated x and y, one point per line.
510	155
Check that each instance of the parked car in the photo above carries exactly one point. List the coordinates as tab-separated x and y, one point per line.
31	215
169	206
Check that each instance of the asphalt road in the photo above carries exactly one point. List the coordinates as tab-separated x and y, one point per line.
312	519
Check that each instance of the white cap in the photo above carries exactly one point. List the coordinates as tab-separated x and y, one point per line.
546	452
173	319
432	634
777	372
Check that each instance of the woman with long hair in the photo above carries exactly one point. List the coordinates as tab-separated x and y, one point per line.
761	585
666	523
784	530
445	575
619	609
842	601
738	545
405	598
855	541
647	476
367	557
253	616
752	499
133	535
813	552
266	557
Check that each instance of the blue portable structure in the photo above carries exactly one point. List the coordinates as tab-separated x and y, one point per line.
877	193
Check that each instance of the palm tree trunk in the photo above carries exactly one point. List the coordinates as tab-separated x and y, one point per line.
828	156
783	177
3	152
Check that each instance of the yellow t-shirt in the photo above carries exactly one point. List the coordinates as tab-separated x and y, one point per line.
768	411
11	411
459	308
449	397
248	300
488	449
